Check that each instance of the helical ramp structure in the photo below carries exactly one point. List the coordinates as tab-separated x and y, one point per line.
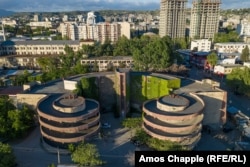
67	119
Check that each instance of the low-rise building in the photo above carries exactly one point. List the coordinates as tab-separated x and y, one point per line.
41	47
230	47
201	45
46	24
224	69
106	63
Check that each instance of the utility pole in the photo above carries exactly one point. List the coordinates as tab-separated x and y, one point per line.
58	155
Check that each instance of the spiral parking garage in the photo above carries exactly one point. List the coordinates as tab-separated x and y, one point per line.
177	118
66	119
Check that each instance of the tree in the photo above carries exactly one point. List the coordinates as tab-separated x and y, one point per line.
86	154
152	53
212	59
239	81
122	47
230	36
13	122
245	54
7	158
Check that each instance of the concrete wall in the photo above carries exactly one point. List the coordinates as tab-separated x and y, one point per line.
215	108
107	92
69	85
29	99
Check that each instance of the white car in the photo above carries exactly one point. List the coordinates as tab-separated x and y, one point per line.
106	125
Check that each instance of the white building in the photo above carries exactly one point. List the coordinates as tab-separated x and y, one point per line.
230	47
9	22
65	18
201	45
37	18
98	32
46	24
243	29
224	69
94	17
80	18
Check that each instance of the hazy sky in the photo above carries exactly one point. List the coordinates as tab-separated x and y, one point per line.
69	5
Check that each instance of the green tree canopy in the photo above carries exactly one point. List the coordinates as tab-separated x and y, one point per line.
245	54
122	47
152	53
212	59
7	158
14	122
86	154
231	36
239	80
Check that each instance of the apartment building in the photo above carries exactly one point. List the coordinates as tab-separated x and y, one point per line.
172	18
204	21
98	32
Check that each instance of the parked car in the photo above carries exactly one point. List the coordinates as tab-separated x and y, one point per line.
106	125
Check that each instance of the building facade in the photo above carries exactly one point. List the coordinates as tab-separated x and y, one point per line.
204	21
108	63
98	32
94	17
66	119
172	18
201	45
230	47
38	47
174	118
46	24
243	29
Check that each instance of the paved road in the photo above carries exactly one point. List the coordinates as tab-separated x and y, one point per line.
115	148
30	153
240	102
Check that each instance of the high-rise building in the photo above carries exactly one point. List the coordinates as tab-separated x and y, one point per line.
65	18
94	17
204	18
37	17
172	18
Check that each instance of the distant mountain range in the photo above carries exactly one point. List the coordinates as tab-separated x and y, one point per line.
5	13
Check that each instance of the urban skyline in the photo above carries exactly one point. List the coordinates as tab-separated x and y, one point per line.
85	5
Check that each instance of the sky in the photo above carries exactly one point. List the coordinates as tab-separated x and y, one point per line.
86	5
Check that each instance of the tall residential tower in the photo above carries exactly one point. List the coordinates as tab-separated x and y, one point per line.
172	18
204	19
